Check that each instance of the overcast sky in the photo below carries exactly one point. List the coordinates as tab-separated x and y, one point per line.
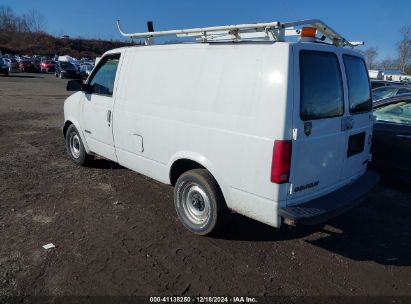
375	22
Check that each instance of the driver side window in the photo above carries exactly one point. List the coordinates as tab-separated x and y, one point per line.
103	78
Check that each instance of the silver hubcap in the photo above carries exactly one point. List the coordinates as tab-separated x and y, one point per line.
75	145
196	203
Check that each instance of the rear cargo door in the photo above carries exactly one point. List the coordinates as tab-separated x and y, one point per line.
319	144
358	120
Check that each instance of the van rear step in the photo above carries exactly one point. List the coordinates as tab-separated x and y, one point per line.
330	205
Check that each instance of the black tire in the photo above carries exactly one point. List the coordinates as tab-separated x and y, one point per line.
196	191
75	148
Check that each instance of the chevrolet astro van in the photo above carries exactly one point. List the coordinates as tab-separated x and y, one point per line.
243	120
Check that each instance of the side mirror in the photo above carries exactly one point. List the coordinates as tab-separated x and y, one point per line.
78	85
74	85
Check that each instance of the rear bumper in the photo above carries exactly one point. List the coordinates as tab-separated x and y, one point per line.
333	204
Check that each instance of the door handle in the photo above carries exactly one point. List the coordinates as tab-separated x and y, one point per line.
109	117
347	123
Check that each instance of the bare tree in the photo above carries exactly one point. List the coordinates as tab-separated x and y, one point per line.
21	25
371	55
7	19
404	47
35	21
388	64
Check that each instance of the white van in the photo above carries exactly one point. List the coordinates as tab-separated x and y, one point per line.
274	130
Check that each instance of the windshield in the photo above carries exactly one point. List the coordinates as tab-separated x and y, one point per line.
382	93
395	113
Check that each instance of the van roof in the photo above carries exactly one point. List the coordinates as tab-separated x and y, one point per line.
255	32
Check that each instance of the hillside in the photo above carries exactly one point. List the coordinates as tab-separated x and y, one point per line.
29	43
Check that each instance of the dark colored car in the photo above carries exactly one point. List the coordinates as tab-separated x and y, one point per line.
391	146
386	92
4	68
66	70
384	83
36	64
27	66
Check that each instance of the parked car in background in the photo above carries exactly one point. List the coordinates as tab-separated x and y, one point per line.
384	83
12	64
391	147
66	69
4	68
36	63
85	69
27	66
386	92
47	66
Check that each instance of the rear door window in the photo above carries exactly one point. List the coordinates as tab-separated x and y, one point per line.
321	86
359	93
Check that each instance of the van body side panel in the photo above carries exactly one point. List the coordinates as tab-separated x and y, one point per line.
225	102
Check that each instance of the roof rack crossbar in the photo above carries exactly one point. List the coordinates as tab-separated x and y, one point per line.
274	31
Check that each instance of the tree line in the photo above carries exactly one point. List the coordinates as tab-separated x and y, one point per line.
400	62
26	35
33	21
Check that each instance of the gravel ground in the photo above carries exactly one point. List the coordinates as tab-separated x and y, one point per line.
116	232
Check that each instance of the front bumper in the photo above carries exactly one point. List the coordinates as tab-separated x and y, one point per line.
333	204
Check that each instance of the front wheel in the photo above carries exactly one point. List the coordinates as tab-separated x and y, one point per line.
75	148
199	202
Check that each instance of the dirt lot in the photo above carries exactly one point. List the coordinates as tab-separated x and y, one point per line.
116	232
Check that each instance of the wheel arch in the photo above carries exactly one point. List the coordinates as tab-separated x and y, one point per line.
71	121
186	161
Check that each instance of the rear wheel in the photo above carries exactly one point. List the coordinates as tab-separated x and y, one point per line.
199	202
75	148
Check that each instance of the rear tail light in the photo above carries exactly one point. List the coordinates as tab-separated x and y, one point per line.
281	163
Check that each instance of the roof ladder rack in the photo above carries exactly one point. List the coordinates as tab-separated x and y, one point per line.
271	31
